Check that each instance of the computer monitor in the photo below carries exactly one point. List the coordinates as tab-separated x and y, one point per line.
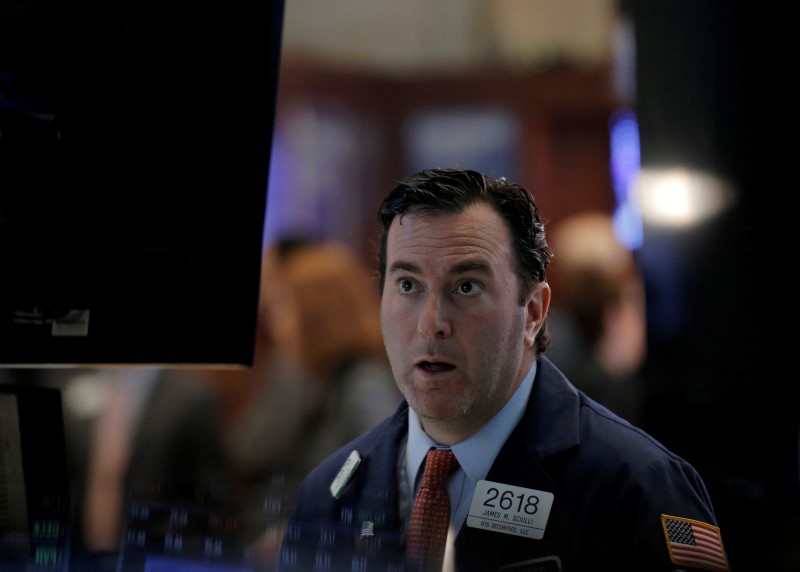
35	501
135	143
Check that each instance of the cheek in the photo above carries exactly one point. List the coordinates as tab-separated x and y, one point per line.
385	311
389	323
395	316
501	330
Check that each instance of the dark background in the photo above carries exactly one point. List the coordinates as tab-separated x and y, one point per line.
713	92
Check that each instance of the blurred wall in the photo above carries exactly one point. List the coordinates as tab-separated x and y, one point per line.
371	91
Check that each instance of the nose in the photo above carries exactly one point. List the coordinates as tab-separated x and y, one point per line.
433	321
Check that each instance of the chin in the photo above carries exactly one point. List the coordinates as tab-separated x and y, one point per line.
440	407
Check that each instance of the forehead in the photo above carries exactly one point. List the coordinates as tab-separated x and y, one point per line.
478	232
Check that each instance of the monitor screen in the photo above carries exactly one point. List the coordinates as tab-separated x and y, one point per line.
135	143
35	502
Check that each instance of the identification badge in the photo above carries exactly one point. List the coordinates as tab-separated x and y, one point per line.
509	509
344	474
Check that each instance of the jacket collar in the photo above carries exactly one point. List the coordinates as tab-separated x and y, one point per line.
552	418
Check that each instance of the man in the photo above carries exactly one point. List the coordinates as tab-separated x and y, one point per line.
547	479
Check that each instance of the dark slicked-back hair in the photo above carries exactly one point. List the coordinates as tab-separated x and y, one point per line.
439	191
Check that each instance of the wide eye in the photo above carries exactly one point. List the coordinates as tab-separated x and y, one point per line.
405	285
469	288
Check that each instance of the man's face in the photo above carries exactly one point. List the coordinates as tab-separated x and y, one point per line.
458	340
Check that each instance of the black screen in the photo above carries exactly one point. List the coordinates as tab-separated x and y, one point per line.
135	142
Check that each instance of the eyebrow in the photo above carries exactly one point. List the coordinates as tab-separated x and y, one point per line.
471	266
405	266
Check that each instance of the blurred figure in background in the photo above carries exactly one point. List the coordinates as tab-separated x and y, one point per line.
598	313
136	435
320	375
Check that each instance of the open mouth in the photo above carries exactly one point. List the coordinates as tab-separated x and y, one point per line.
435	366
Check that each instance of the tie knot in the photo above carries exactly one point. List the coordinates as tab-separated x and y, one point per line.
439	464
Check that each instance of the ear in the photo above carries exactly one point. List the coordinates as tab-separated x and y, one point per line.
536	311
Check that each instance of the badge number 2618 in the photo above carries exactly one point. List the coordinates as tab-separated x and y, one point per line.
510	510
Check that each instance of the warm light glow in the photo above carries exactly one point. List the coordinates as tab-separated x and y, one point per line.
680	197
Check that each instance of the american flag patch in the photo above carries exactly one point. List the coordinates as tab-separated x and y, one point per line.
694	543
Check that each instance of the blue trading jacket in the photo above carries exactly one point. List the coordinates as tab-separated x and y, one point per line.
621	500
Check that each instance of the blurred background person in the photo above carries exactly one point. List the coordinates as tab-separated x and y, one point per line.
598	314
136	435
319	378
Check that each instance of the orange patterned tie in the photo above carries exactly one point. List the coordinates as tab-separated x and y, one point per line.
430	518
